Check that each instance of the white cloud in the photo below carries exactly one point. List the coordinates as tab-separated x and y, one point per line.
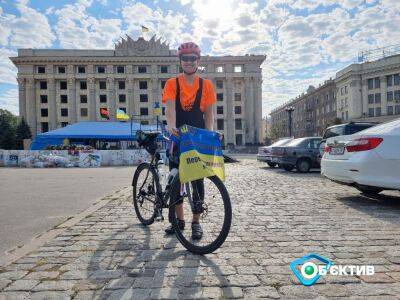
9	101
76	29
8	72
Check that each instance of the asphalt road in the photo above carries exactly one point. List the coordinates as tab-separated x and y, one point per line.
33	201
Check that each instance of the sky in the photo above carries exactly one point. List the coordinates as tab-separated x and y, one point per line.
306	41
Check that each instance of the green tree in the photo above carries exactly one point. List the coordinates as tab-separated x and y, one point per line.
22	132
8	124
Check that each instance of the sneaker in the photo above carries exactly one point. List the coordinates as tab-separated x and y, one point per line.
170	229
197	231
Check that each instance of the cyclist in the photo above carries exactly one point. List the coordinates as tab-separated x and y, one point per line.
189	100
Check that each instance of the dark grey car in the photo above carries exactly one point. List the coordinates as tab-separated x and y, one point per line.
301	154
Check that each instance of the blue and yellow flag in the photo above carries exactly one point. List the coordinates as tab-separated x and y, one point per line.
121	115
200	154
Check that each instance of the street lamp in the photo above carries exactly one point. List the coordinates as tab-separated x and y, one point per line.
290	110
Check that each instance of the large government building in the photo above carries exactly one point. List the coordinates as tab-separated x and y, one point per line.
61	87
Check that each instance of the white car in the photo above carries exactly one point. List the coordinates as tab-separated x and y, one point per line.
369	160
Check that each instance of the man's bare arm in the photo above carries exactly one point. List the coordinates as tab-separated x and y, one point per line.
171	115
209	118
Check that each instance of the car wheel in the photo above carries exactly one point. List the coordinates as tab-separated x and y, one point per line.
303	165
369	189
280	166
272	165
288	167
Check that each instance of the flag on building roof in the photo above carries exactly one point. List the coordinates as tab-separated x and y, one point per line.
104	113
121	115
145	29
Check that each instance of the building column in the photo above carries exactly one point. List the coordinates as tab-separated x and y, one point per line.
72	100
154	97
384	95
249	124
230	122
31	106
257	119
131	105
92	100
52	101
111	98
363	100
22	97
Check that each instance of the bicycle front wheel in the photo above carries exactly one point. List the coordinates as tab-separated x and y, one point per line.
215	218
145	191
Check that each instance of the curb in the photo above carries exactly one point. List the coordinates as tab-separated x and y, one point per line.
38	241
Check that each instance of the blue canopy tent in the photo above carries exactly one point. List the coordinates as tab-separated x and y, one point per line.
112	131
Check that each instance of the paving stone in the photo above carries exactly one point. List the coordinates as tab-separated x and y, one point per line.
120	283
59	285
13	275
15	296
50	296
22	285
165	293
260	292
42	275
4	283
376	278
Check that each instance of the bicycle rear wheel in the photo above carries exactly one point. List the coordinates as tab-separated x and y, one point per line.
145	190
215	220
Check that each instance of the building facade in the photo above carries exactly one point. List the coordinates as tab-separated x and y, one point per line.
369	91
311	112
61	87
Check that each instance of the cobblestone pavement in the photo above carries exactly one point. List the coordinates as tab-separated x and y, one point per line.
278	216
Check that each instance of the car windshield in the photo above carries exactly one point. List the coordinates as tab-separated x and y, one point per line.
334	131
358	127
281	142
296	142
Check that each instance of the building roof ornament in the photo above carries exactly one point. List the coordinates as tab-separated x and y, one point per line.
141	47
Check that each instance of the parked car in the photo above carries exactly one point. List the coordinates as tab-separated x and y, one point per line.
342	129
301	154
368	160
265	152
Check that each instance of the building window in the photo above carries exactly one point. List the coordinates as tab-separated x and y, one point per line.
342	115
45	126
43	98
347	115
397	95
389	80
390	110
220	124
389	96
41	69
163	110
101	69
371	99
220	84
238	97
144	111
370	83
377	83
64	112
63	85
103	98
44	112
397	110
43	85
61	70
121	85
83	85
142	69
81	69
120	69
164	69
123	109
238	124
219	69
238	110
239	140
238	69
102	85
341	91
220	110
371	112
63	124
64	98
84	112
378	98
122	98
83	98
144	98
220	96
144	122
396	79
345	89
143	85
163	84
377	111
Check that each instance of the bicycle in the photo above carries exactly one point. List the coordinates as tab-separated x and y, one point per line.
149	196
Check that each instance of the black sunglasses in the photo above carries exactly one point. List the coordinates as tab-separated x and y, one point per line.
189	58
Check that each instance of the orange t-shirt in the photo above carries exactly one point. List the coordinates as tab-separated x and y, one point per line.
188	93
